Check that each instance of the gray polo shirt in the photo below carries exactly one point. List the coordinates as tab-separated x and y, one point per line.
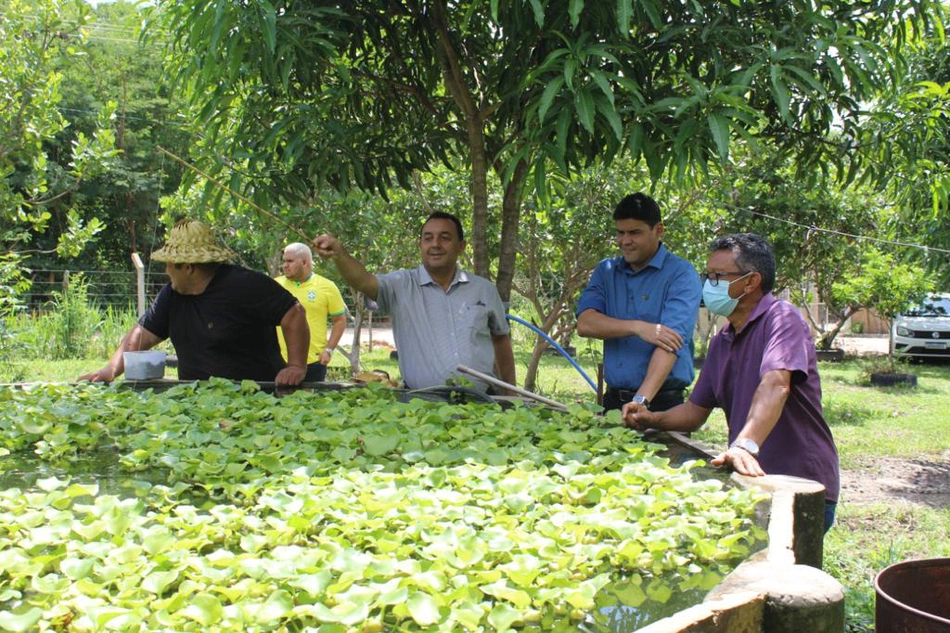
435	331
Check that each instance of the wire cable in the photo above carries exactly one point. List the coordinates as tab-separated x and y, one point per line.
845	234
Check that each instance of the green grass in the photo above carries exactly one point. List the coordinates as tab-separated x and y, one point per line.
872	422
869	423
868	538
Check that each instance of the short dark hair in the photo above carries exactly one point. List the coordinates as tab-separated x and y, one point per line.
752	254
638	206
442	215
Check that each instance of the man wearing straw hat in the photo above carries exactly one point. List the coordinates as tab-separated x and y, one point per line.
220	317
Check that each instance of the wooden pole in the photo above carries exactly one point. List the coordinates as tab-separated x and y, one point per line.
370	320
139	282
554	404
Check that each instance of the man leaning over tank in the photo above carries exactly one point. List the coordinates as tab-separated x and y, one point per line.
220	317
761	370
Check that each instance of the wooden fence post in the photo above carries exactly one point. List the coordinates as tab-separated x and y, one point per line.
139	281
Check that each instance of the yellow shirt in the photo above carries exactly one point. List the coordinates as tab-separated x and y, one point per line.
321	299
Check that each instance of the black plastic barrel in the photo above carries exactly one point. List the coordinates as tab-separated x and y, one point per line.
914	597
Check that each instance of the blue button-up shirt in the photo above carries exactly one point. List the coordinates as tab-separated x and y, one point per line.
667	290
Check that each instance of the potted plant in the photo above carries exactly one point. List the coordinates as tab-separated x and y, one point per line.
889	288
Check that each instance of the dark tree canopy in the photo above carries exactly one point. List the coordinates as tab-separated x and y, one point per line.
295	95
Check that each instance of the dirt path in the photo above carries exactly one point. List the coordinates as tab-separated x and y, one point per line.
890	479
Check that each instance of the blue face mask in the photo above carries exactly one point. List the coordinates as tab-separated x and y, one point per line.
717	297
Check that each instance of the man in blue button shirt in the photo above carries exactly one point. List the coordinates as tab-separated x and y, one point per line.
643	304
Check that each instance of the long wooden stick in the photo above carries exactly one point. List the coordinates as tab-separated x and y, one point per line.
504	385
675	435
234	193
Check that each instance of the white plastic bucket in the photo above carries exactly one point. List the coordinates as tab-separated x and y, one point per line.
148	365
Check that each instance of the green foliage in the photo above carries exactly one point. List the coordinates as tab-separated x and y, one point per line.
13	283
348	509
884	364
898	533
884	285
70	321
99	167
71	327
35	39
887	286
870	427
907	140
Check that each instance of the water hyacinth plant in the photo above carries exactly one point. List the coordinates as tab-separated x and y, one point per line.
343	511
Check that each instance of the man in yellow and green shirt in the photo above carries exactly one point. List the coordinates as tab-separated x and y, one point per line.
321	298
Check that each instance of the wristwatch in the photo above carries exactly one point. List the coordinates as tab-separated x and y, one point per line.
747	445
329	350
642	400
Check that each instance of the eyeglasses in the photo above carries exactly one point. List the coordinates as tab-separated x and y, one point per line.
715	277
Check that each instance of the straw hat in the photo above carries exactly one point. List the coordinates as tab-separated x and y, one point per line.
191	242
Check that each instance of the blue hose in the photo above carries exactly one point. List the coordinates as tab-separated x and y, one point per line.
551	342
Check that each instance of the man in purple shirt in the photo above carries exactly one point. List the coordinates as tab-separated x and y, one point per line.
761	370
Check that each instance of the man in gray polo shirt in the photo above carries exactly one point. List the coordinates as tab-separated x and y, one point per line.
442	316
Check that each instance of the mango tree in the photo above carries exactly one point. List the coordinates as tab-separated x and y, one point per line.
292	95
911	125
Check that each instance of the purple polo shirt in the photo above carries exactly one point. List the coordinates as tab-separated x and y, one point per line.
775	337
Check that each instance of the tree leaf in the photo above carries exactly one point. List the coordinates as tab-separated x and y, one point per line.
376	445
20	621
719	128
158	581
653	13
584	104
204	608
624	16
574	9
780	91
503	616
547	97
538	8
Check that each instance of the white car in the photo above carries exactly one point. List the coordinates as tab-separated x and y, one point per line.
924	331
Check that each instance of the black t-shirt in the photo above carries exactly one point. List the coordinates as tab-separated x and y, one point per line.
229	330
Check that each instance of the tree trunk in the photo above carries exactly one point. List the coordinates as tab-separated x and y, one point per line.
354	355
532	374
479	239
451	61
510	221
550	320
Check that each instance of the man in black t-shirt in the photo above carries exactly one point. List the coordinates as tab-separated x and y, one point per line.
221	318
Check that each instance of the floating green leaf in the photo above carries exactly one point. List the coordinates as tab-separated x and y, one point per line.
20	621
